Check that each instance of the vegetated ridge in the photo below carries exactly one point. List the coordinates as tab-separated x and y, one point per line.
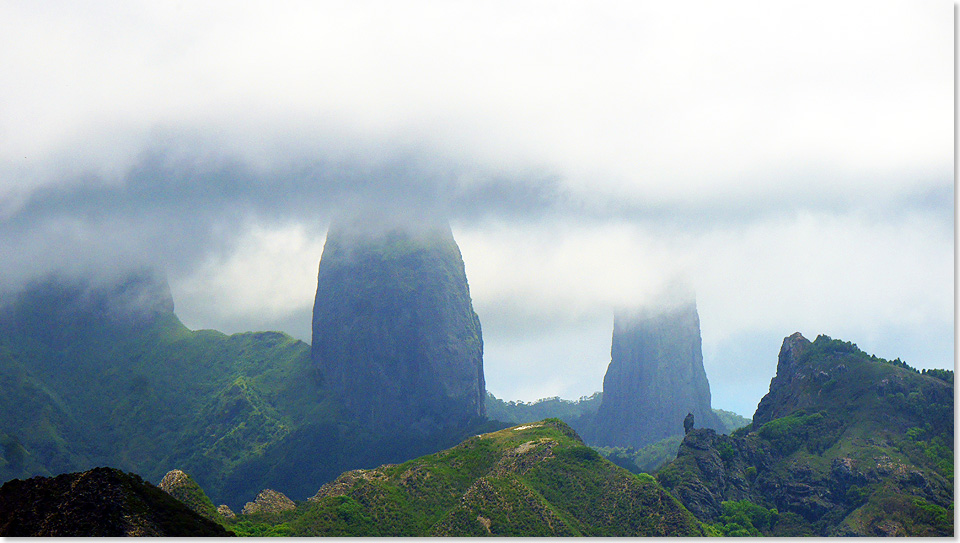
844	443
529	480
104	373
580	414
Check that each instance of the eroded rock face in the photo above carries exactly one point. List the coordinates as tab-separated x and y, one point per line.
655	378
783	396
826	446
394	331
269	501
225	511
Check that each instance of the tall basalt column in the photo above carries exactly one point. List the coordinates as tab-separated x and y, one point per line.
655	378
395	336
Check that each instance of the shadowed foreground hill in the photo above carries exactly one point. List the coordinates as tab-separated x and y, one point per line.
844	443
102	502
536	479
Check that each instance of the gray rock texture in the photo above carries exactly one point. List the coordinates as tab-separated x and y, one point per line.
395	336
269	501
655	378
786	393
182	487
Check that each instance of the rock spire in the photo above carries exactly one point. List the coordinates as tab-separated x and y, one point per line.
655	377
395	336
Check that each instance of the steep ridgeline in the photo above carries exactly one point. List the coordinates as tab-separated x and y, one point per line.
395	337
844	443
654	380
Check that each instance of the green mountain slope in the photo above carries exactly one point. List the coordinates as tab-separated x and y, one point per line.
106	374
88	383
533	479
843	444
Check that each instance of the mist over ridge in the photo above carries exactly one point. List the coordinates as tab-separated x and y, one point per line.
584	154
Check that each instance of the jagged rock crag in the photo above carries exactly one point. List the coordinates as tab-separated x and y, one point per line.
844	444
102	502
395	336
269	501
182	487
655	378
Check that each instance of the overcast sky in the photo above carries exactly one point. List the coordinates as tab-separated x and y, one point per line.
790	161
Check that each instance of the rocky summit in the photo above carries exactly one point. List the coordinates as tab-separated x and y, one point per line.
655	378
269	501
182	487
845	443
395	336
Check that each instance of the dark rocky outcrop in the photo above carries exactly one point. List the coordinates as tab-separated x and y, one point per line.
786	390
102	502
395	336
655	378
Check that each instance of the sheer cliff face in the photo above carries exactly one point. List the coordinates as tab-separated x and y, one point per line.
655	378
784	397
394	332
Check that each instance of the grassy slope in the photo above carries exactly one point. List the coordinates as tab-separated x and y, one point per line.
144	398
535	479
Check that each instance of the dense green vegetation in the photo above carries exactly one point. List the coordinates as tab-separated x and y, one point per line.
732	420
86	383
645	459
745	519
844	444
516	411
142	393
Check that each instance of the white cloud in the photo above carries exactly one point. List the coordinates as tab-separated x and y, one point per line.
268	276
763	150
